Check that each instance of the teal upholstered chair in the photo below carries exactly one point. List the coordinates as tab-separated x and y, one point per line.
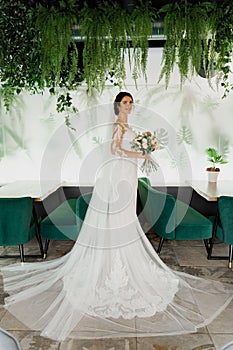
171	218
16	217
65	222
223	227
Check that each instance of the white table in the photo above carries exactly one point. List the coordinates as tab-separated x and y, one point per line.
212	190
38	190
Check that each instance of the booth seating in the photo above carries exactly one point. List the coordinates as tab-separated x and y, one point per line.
16	229
171	218
223	227
65	222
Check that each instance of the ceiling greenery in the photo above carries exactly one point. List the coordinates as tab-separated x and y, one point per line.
38	48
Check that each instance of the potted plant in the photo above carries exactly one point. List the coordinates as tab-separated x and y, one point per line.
214	157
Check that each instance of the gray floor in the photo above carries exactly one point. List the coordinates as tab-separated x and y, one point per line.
184	256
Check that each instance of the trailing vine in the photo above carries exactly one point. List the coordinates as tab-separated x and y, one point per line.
107	31
224	44
59	54
19	51
104	31
142	19
38	49
188	28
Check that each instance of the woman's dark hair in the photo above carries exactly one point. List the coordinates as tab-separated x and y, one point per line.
118	99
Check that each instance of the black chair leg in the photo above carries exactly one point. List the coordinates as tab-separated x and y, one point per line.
21	252
46	247
210	248
160	245
230	256
207	245
38	236
210	245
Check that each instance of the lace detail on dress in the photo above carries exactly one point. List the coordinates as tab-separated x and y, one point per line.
120	298
118	133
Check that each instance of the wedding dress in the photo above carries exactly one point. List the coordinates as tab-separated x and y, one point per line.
112	283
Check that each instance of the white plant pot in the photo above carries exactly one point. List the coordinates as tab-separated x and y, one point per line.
212	176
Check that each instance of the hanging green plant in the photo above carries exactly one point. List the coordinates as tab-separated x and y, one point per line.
141	19
38	50
19	50
104	31
59	54
224	44
65	105
107	31
188	29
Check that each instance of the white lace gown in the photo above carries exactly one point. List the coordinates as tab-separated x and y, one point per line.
112	283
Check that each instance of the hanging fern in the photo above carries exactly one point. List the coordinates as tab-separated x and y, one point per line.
59	55
188	29
104	30
141	19
224	44
107	30
19	50
37	49
201	27
174	31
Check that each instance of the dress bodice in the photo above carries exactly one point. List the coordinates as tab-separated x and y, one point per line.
122	136
127	138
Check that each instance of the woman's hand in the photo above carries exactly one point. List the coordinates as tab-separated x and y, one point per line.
146	156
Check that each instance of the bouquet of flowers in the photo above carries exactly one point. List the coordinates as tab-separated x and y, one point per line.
146	143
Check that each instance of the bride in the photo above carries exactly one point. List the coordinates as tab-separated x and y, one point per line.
112	283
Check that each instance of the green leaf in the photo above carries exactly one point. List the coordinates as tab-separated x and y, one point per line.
214	157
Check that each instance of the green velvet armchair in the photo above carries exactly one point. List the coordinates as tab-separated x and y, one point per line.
171	218
65	222
223	227
16	218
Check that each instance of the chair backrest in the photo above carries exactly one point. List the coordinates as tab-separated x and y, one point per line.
81	208
15	220
159	209
225	208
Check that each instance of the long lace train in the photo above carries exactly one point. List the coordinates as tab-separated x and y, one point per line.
112	283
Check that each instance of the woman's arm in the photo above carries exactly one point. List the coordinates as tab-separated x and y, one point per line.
116	148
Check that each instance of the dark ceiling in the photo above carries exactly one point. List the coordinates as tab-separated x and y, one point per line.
126	4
